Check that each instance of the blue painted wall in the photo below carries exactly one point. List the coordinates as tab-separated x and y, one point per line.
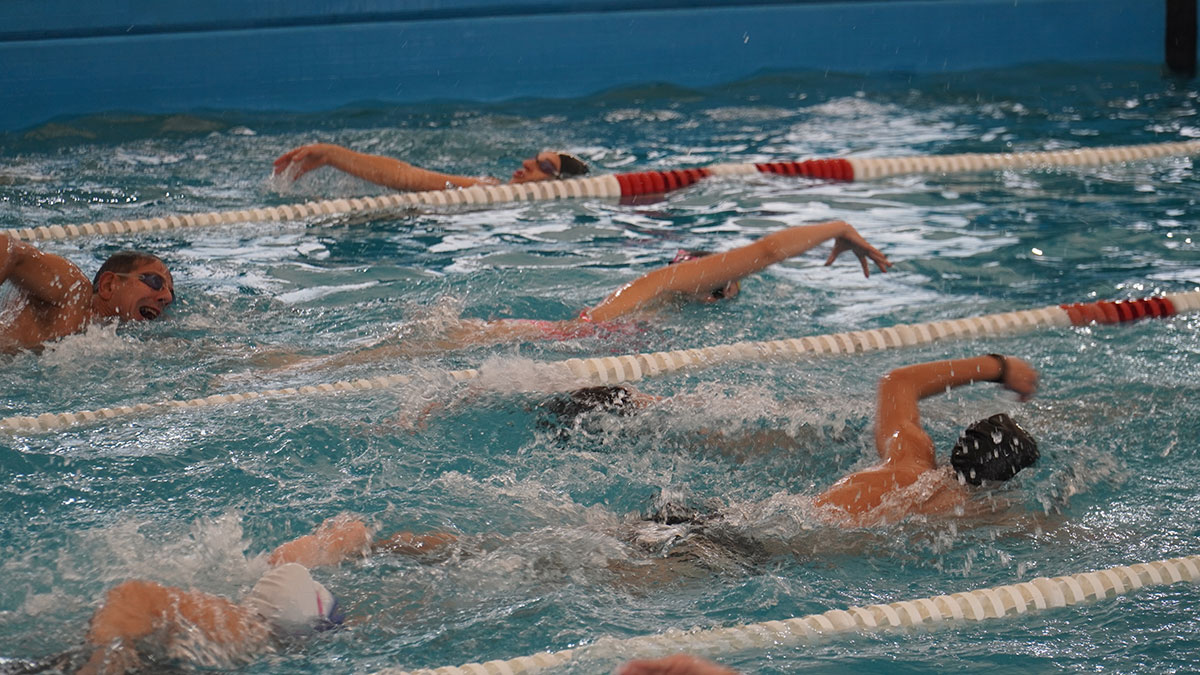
60	57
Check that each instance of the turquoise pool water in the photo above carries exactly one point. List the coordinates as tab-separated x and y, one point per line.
192	498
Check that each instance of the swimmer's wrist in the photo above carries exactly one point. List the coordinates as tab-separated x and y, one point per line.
1003	361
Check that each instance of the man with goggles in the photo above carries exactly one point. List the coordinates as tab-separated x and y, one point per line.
55	299
400	175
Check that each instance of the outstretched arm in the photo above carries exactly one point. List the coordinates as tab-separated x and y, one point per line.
897	417
344	537
407	543
702	275
45	277
335	540
386	171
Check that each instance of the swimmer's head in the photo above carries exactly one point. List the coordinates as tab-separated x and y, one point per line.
729	290
575	411
993	449
616	400
549	165
289	598
133	286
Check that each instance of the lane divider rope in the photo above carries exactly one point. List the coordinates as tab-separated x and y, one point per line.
611	370
624	185
983	604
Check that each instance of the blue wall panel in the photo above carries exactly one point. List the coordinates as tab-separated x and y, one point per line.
161	57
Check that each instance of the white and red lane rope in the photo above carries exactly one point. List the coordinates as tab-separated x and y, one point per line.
623	185
976	605
610	370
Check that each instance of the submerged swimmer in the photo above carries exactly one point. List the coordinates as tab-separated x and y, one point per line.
141	618
400	175
55	299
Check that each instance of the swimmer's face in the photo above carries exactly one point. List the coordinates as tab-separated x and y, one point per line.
729	290
542	166
133	296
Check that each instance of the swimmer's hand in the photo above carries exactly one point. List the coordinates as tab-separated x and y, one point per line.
1020	377
301	160
851	240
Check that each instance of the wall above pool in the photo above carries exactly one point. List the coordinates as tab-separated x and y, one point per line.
66	58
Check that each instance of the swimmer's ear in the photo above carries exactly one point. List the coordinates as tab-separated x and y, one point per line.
104	285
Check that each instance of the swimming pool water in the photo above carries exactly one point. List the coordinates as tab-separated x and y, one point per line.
192	498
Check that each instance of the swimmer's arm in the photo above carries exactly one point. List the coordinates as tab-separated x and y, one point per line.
335	540
702	275
136	609
386	171
45	277
897	416
407	543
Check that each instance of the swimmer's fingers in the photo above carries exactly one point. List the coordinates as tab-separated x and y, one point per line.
880	259
838	249
299	161
862	260
863	251
282	162
285	161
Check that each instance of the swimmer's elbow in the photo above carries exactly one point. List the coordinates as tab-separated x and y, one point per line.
898	382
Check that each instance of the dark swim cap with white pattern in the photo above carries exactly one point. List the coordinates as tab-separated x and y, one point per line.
993	449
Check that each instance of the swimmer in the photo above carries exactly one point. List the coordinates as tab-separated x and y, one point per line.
140	617
584	411
691	542
695	276
55	299
908	480
400	175
991	450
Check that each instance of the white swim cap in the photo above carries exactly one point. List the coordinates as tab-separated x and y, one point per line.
288	597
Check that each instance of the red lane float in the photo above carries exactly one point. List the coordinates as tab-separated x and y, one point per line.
658	182
1120	311
827	169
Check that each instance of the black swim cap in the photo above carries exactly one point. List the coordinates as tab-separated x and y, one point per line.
569	165
566	408
993	449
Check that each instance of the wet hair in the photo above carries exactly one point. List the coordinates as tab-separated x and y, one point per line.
576	411
684	255
569	165
566	408
123	262
993	449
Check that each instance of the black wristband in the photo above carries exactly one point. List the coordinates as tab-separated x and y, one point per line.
1003	366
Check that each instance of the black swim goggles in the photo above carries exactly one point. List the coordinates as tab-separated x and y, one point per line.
153	280
548	168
